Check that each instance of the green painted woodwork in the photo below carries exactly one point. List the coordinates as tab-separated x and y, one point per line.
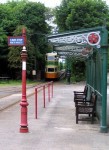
96	67
52	63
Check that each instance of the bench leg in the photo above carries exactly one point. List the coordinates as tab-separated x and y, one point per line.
92	118
76	118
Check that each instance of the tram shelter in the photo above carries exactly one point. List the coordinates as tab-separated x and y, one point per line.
92	46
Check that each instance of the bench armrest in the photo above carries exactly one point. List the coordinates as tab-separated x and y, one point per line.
78	92
85	105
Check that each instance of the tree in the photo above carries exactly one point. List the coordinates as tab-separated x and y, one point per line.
77	14
14	16
61	13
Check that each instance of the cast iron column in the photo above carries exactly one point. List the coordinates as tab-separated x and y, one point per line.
104	50
24	103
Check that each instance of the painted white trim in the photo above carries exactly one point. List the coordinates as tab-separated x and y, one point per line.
24	65
79	39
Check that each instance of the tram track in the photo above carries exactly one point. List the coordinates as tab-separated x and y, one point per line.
12	96
6	94
9	102
7	91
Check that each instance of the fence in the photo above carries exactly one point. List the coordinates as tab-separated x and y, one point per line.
42	87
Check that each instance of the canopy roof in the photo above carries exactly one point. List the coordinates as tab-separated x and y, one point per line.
78	43
81	44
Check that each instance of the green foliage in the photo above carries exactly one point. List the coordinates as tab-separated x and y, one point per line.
61	66
77	14
78	71
61	13
14	16
17	83
73	78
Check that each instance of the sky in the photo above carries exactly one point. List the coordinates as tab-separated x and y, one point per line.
48	3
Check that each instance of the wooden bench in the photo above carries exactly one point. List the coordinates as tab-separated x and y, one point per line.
88	108
80	96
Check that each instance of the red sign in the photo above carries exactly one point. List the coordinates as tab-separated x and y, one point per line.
93	38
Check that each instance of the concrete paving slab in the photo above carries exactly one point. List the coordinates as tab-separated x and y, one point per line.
55	128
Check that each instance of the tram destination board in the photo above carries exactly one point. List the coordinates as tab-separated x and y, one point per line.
15	41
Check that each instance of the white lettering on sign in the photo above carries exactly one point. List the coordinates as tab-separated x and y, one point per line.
24	65
90	38
16	41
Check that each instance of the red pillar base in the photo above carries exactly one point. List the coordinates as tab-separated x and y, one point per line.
24	130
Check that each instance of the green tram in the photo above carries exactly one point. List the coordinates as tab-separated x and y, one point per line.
52	66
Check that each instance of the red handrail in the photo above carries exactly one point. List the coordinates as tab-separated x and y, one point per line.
43	86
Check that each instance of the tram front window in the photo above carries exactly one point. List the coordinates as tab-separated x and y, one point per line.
51	58
50	69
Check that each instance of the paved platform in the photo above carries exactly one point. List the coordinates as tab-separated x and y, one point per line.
55	128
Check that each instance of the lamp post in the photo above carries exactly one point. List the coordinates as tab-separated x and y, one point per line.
24	103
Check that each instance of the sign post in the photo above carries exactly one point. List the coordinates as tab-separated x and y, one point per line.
24	103
21	41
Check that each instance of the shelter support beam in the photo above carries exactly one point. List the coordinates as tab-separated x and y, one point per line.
68	75
103	126
104	52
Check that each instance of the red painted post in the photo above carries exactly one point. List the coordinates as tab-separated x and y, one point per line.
24	35
44	94
49	92
24	103
36	103
52	89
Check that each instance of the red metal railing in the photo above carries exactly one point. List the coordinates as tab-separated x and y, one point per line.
48	85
